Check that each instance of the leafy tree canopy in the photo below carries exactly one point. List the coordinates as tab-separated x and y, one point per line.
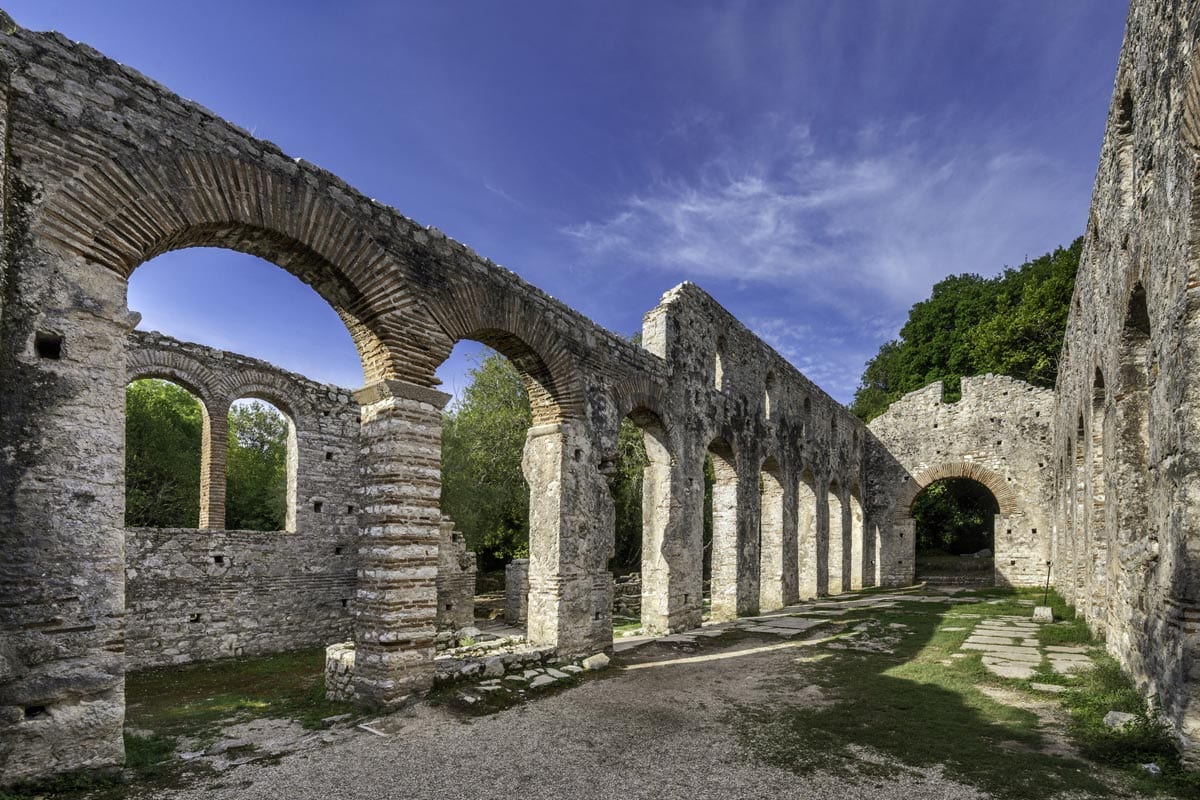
1012	324
164	425
256	468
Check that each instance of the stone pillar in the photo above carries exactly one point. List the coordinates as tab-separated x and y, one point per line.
516	591
663	593
62	505
858	546
748	549
570	533
212	465
399	527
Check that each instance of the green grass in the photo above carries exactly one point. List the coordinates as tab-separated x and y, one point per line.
921	708
197	700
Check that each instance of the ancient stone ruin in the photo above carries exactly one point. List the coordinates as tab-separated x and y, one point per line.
101	169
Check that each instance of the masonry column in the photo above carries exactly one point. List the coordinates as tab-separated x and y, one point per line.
212	465
570	529
62	500
396	601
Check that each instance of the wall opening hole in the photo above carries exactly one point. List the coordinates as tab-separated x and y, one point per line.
345	602
349	509
337	551
47	345
218	559
449	606
317	506
194	618
34	712
328	455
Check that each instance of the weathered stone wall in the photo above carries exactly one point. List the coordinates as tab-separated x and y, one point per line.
1126	439
195	595
455	579
516	591
996	434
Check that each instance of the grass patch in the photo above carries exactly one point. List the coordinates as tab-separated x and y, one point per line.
918	711
196	700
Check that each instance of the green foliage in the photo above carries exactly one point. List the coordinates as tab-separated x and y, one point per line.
256	468
483	437
1012	324
163	431
627	497
955	515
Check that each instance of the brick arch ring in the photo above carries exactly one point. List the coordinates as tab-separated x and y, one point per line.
993	480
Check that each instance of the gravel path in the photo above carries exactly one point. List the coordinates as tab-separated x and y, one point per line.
655	732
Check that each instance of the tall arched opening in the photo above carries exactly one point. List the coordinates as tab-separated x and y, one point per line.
839	528
165	427
955	532
807	544
770	537
723	591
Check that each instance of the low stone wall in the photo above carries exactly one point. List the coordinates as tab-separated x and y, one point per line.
339	672
627	595
195	595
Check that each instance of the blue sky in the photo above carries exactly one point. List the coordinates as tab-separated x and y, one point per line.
816	166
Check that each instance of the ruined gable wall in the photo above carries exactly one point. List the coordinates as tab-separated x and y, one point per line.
1000	425
1126	439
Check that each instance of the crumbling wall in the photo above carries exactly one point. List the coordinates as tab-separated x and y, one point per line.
455	579
1126	437
996	434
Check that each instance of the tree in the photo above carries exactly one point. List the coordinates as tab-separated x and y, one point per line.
955	516
627	497
483	438
1012	324
256	468
163	431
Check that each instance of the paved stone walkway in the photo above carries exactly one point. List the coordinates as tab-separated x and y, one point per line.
1011	649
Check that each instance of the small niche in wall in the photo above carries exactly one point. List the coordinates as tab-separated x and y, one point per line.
48	345
449	606
317	506
329	455
349	509
596	617
1033	531
685	599
337	551
194	618
1012	563
345	602
218	559
36	712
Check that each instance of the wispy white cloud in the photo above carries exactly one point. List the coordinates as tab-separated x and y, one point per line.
856	234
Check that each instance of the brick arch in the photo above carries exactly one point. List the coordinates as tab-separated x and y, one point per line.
994	482
639	396
176	368
264	386
519	328
120	214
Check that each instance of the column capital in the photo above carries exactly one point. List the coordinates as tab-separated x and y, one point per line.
400	390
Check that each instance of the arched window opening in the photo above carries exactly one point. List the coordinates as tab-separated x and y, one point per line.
838	553
719	365
260	468
1132	410
1123	144
768	390
806	535
1079	548
770	537
164	437
723	510
955	527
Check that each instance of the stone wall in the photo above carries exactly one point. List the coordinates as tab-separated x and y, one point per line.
1125	446
194	595
455	579
997	434
516	591
103	169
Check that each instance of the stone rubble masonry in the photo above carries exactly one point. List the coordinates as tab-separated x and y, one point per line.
455	578
996	434
103	169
